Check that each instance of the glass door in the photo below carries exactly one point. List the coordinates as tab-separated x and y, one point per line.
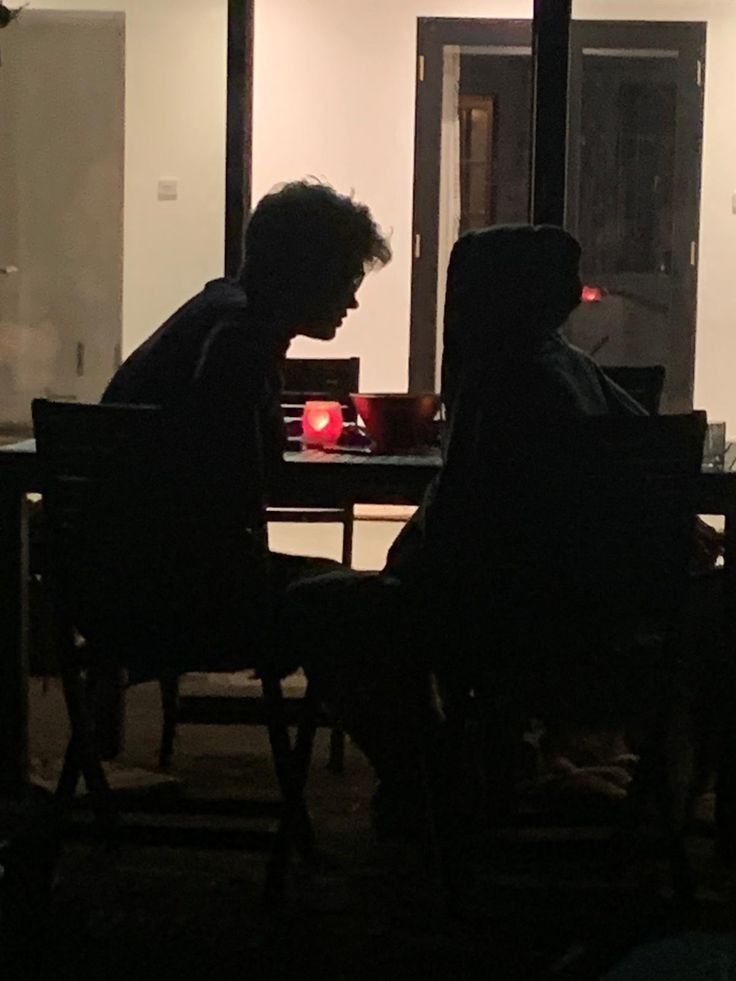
633	190
633	194
61	208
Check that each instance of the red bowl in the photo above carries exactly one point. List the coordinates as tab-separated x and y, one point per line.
398	423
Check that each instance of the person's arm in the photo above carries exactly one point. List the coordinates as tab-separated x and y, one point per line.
708	546
224	418
406	553
273	440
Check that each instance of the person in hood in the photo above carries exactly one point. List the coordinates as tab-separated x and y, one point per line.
508	372
510	290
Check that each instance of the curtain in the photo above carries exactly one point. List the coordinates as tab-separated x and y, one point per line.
449	205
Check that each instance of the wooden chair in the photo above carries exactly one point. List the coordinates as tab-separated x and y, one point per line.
333	379
320	378
591	561
336	378
308	378
158	578
644	383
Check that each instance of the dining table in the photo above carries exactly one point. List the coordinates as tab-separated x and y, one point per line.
311	478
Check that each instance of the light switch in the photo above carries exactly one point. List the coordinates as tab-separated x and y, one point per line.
168	189
733	203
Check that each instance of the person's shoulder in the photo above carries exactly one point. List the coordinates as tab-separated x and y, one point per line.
557	348
197	315
224	293
584	384
233	348
618	399
557	359
227	313
218	300
566	380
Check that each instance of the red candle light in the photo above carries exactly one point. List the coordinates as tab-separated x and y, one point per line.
591	294
321	423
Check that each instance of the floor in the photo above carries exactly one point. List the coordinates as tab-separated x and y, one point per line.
552	903
533	904
372	536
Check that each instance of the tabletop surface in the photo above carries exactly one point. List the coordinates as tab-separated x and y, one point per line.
430	458
24	446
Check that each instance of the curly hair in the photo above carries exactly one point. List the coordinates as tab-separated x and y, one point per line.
305	238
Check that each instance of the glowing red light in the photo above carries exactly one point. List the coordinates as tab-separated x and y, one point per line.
321	423
591	294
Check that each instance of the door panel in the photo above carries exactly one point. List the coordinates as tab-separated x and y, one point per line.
61	206
506	82
506	47
635	145
633	195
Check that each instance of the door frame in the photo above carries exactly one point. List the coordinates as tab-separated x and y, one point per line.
433	35
239	129
689	40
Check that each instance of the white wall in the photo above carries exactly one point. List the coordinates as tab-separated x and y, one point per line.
334	97
61	157
174	127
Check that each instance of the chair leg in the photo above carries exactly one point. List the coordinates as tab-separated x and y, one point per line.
348	527
278	735
302	759
82	756
169	687
336	759
71	771
439	829
726	770
107	696
672	769
673	819
292	766
726	799
278	731
500	730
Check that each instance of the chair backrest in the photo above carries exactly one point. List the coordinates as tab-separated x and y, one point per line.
134	554
320	377
644	383
586	521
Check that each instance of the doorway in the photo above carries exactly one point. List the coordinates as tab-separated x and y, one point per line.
61	207
634	157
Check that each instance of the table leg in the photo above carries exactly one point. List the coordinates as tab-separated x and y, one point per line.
726	785
348	527
13	639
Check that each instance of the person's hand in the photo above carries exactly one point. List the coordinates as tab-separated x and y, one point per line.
565	779
707	547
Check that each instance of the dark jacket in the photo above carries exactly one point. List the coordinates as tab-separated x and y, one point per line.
505	365
219	373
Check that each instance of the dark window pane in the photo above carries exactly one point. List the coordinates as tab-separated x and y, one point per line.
627	154
476	161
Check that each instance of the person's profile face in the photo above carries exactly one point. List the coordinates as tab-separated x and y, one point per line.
326	317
